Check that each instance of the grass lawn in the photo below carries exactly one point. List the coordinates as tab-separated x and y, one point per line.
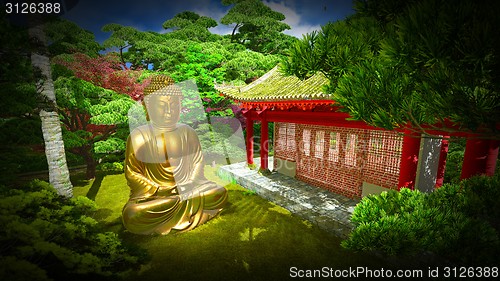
252	239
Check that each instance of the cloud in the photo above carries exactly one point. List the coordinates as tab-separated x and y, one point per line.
208	9
221	29
291	15
302	29
295	20
212	12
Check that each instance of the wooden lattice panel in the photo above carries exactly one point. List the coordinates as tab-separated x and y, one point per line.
341	159
384	156
284	136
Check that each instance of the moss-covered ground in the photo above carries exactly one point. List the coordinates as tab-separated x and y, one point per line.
252	239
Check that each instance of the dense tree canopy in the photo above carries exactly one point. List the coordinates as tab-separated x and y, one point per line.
20	127
66	37
335	50
94	119
220	61
431	62
189	51
256	26
383	11
122	38
191	26
247	66
17	75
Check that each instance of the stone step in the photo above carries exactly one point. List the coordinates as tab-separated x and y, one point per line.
327	210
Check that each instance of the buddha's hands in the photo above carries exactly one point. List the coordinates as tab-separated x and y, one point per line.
164	190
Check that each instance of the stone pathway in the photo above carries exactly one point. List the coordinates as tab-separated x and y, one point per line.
326	209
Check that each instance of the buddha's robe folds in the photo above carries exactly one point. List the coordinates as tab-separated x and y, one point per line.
157	165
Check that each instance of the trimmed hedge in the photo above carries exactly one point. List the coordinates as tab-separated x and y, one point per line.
110	168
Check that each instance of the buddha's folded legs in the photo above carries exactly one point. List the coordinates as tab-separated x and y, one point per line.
161	214
143	217
214	196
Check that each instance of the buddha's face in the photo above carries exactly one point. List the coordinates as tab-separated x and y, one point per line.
163	110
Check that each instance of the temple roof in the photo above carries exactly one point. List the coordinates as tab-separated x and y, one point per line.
274	86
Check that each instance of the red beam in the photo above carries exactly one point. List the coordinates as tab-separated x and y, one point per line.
326	118
333	117
286	105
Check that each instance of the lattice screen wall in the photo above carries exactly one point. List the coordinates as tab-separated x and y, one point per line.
340	159
284	141
384	156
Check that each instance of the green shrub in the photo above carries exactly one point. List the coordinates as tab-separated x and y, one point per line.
457	221
45	236
113	157
483	195
110	168
454	160
21	159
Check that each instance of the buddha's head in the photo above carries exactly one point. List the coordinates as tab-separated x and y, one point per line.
162	101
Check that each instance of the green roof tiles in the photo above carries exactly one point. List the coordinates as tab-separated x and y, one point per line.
274	86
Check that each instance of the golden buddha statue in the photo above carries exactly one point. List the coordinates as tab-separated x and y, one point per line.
164	169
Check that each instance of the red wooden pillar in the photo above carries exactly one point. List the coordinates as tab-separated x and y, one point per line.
491	161
409	160
249	127
480	158
442	161
264	145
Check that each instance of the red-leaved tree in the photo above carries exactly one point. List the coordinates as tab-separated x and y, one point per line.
106	71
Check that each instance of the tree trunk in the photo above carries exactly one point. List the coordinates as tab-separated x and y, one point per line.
51	125
90	162
234	31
